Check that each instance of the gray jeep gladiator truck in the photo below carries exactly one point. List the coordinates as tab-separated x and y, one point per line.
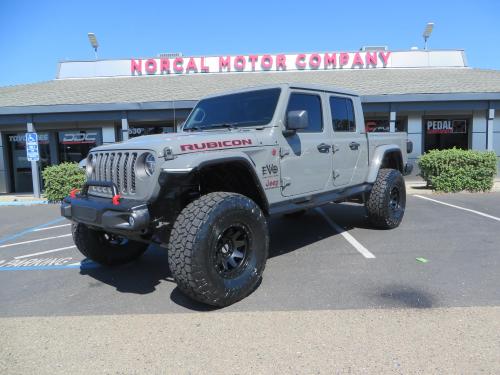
205	192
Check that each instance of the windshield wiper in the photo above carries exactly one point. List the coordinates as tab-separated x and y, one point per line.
228	125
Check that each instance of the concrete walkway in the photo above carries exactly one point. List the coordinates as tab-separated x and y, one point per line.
380	341
415	185
20	199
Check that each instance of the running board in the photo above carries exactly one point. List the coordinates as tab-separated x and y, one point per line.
315	200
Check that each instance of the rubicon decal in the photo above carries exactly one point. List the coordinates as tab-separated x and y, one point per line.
216	144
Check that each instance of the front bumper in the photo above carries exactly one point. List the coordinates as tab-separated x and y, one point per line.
129	217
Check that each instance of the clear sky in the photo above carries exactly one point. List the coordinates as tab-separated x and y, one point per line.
35	35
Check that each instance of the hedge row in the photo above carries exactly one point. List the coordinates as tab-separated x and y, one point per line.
455	170
60	179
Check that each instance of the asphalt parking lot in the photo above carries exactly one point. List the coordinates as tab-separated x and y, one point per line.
328	261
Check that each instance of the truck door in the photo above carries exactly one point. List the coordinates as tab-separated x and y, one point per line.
306	162
350	153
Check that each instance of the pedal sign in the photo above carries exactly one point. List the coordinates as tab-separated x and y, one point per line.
32	147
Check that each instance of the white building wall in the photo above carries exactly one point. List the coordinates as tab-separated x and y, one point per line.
108	133
479	130
415	134
496	137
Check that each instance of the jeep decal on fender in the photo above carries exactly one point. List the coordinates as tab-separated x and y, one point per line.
216	144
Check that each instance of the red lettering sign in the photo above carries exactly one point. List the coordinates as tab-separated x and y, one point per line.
344	58
239	63
330	60
150	66
300	61
278	62
314	61
385	57
136	67
191	65
224	63
266	62
178	61
357	60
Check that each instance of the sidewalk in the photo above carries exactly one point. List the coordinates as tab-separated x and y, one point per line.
20	199
415	185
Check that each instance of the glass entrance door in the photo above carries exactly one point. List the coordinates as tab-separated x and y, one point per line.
20	166
442	133
74	145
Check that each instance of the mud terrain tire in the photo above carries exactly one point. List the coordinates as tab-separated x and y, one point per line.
218	248
387	201
104	248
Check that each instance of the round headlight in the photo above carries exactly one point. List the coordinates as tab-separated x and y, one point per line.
149	164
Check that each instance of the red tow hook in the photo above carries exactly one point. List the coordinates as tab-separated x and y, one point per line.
116	199
73	193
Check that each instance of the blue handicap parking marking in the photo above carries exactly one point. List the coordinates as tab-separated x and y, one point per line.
29	230
35	264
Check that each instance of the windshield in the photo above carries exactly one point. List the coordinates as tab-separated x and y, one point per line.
242	109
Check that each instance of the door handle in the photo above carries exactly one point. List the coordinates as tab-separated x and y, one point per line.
354	145
323	147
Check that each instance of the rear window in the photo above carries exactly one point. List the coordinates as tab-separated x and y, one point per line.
342	111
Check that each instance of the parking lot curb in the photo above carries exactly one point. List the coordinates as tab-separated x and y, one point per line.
23	203
419	187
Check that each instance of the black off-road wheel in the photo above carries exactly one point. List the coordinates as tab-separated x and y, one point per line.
218	248
387	201
105	248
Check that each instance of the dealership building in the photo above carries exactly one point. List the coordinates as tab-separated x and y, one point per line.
432	95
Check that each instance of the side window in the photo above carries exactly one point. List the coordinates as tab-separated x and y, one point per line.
310	103
342	111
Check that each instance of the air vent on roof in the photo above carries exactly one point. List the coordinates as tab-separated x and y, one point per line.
170	55
374	48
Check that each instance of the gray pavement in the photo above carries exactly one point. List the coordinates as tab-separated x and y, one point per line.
348	313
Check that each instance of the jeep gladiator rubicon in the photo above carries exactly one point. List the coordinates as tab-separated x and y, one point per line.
205	192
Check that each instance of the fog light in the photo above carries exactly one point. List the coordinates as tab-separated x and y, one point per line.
131	221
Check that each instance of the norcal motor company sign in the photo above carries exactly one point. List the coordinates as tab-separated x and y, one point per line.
260	63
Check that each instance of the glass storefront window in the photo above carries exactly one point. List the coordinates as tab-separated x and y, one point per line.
138	130
442	133
74	145
383	124
20	166
376	125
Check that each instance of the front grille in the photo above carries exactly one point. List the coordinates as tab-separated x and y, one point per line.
118	167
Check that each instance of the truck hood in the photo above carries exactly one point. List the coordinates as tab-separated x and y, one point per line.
182	143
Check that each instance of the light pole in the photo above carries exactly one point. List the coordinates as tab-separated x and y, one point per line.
427	33
93	42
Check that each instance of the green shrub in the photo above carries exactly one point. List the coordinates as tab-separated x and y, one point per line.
60	179
456	170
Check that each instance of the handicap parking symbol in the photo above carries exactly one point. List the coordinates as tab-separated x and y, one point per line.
31	138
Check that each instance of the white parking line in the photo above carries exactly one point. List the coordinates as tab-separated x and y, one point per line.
360	248
44	252
458	207
54	227
37	240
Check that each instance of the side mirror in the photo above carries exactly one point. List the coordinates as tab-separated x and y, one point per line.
296	120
